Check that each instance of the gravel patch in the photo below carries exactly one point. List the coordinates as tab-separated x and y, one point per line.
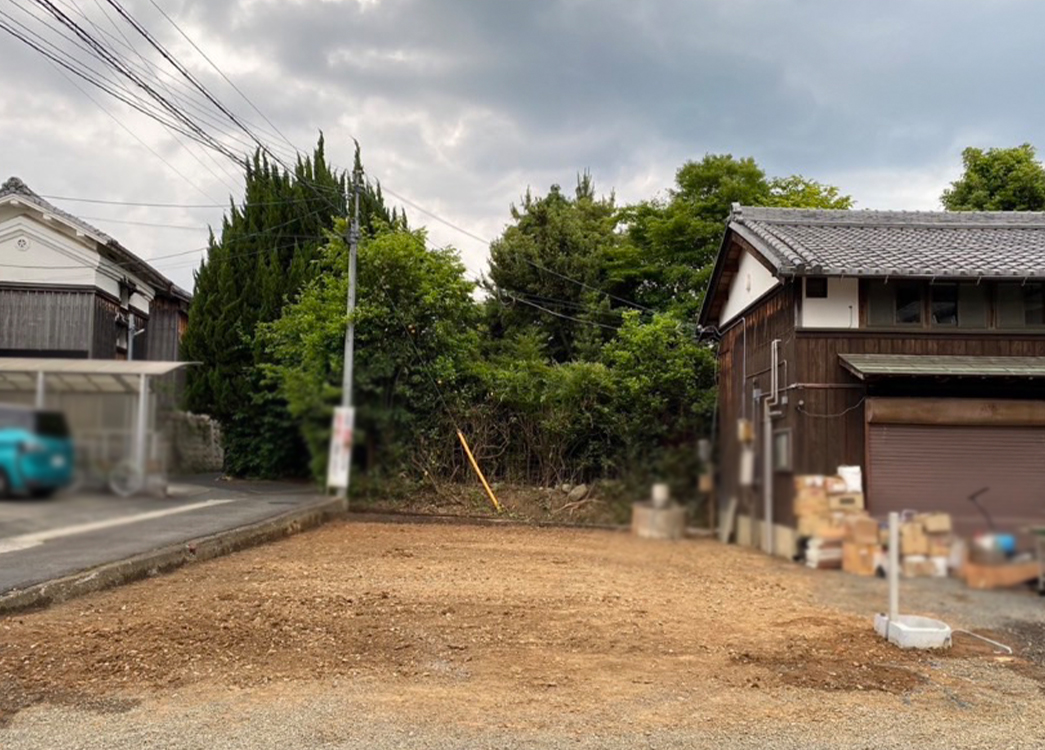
385	635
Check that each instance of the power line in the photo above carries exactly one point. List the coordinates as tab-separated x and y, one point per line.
134	135
144	223
221	73
141	204
561	315
111	59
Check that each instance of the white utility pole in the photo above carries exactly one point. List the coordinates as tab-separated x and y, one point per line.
350	331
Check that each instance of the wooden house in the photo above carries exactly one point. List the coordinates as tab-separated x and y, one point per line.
911	344
69	290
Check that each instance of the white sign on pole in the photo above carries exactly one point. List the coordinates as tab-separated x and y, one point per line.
340	459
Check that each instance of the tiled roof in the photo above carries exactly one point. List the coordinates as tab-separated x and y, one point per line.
14	185
124	257
999	244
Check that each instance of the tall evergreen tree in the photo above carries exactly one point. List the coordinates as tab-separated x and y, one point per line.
264	256
546	270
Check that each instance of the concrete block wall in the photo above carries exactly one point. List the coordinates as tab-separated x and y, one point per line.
195	444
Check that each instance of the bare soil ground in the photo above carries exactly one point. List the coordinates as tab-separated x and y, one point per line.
532	629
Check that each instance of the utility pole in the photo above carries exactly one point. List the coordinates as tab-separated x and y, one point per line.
350	331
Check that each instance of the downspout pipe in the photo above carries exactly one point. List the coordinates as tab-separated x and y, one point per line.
768	403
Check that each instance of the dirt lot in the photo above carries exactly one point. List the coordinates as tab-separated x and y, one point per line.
360	634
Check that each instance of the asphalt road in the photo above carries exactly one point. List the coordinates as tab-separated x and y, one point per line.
41	540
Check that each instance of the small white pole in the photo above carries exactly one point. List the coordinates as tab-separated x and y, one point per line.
40	391
894	566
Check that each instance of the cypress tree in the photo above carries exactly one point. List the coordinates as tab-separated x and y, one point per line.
263	257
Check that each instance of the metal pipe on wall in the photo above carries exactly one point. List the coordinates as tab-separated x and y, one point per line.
768	402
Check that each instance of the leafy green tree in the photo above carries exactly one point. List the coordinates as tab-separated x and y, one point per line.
999	179
673	242
546	269
416	344
664	395
264	254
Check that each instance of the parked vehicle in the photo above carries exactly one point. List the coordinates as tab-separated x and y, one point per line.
36	451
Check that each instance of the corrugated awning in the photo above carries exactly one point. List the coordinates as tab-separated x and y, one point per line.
866	366
80	375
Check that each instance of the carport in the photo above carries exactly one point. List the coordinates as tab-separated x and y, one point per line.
36	380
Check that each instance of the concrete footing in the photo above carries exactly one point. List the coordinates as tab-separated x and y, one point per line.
912	631
650	522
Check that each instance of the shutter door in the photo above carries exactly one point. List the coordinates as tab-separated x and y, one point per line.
936	468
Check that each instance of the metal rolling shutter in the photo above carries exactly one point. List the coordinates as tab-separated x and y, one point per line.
936	468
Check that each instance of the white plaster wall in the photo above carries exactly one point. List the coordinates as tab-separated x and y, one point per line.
753	280
37	250
840	309
33	253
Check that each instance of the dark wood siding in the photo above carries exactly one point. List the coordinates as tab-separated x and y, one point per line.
828	401
772	318
105	328
825	404
45	320
164	329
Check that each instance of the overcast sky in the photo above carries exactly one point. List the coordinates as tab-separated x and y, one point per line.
460	105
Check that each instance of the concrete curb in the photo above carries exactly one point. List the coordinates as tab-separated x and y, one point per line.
171	557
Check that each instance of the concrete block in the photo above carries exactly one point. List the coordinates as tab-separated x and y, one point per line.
912	631
650	522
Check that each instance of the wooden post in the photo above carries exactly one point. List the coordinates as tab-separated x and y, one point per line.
478	472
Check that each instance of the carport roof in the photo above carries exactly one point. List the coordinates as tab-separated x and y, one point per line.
80	375
866	366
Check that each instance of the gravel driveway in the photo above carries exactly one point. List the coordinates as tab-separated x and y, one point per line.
366	635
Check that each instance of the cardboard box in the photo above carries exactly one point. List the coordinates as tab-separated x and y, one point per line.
935	523
836	486
917	566
809	525
811	501
913	540
824	526
805	481
859	559
863	530
939	545
848	501
824	555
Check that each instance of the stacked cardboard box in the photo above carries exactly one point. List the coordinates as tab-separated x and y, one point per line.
861	552
925	544
824	508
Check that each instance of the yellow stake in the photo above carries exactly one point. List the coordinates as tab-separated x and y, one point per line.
478	471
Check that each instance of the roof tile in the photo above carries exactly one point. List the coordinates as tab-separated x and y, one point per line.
898	243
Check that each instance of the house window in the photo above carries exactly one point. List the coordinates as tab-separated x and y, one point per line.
908	304
1034	304
973	306
816	287
894	304
944	305
782	450
1021	305
880	307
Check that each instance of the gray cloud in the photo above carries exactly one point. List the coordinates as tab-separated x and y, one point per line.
461	105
